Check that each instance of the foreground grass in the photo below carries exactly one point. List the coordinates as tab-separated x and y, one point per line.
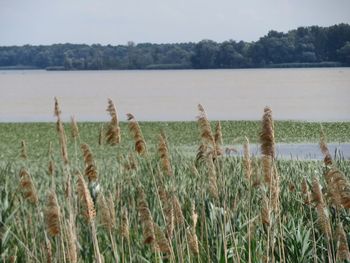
229	227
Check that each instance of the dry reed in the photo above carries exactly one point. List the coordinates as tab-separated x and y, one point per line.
178	215
146	219
88	208
113	135
106	212
90	167
324	149
52	215
205	132
61	134
27	187
164	156
162	242
72	254
135	130
191	232
74	128
267	136
343	247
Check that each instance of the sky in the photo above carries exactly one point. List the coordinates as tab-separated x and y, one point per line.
159	21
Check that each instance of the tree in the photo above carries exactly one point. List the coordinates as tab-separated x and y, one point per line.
205	54
344	53
229	55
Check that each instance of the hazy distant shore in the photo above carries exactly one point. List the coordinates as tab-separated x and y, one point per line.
312	46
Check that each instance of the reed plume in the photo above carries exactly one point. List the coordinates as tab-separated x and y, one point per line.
192	241
111	209
72	254
74	128
265	212
52	215
124	226
146	219
317	195
218	133
178	215
164	155
206	132
113	135
61	133
218	138
324	149
48	251
267	137
168	210
191	232
343	247
27	187
85	199
267	140
140	144
57	110
90	167
275	190
267	168
323	220
322	212
106	212
24	154
162	242
202	154
89	212
338	188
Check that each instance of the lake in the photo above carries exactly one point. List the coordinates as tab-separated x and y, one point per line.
321	94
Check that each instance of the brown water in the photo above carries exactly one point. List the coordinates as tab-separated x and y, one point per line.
298	94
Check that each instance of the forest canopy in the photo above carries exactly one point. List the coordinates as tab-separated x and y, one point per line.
302	47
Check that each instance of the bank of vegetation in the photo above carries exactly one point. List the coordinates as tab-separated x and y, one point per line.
303	47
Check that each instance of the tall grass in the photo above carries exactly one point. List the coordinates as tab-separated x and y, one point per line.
135	203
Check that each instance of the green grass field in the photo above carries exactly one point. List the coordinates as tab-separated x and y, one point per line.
229	205
38	135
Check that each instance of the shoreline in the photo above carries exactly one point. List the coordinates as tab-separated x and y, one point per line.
325	64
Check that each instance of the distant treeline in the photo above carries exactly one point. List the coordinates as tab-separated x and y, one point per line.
302	47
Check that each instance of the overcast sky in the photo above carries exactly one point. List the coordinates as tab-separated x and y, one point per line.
159	21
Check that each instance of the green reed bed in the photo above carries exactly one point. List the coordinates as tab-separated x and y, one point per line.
208	208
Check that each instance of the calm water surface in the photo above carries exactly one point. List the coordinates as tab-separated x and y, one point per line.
297	94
